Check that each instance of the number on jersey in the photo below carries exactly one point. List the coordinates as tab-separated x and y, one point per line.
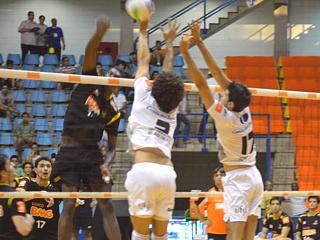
163	126
40	224
247	144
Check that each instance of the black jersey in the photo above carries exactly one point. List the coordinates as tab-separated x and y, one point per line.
275	225
89	112
9	208
309	226
46	217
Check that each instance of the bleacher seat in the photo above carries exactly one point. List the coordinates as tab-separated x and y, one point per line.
16	122
48	84
81	59
58	96
38	110
178	71
20	107
50	59
19	95
47	68
105	60
124	58
41	124
8	151
79	70
5	124
178	61
26	152
30	84
43	139
72	59
154	68
1	59
58	138
58	110
38	96
31	59
57	124
51	151
6	138
15	58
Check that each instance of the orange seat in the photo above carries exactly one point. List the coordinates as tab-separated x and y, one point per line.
234	73
265	61
261	83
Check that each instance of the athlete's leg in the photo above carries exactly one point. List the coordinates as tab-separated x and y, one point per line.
159	229
66	217
250	229
140	228
235	230
110	222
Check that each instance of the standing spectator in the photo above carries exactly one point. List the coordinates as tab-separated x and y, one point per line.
28	29
158	55
216	227
41	38
10	82
183	109
55	38
24	134
265	203
34	155
66	68
6	103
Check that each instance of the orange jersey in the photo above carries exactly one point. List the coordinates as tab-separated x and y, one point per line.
215	212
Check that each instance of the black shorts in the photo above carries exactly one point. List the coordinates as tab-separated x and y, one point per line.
75	166
217	236
82	222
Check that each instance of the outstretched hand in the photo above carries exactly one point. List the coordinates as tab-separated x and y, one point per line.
170	34
103	25
195	31
185	43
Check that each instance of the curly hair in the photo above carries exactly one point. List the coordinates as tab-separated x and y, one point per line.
168	91
240	95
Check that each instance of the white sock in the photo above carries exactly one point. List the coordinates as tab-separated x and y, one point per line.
164	237
138	236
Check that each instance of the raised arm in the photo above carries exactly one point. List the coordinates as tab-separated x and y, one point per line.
197	76
218	74
143	55
103	25
169	35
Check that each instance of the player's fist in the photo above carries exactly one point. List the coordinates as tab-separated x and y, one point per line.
185	43
103	24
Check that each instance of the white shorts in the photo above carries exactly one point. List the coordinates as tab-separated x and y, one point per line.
243	192
151	190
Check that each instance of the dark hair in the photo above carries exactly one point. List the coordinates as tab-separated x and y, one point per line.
121	62
41	16
152	74
30	12
27	163
219	169
42	159
53	19
25	113
276	199
14	156
168	91
158	41
99	63
240	95
9	62
53	155
116	72
3	161
65	58
314	197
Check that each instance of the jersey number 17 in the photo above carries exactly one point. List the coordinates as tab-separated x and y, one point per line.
247	144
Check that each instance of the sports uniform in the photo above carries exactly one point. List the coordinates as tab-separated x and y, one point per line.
275	225
151	186
243	187
309	226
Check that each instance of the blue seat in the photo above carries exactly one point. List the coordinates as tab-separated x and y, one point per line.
58	96
122	126
15	58
31	84
81	59
58	110
1	59
31	59
39	110
57	124
41	124
178	71
155	68
47	68
105	60
50	59
19	96
124	58
48	84
44	139
52	150
5	124
16	122
21	107
8	151
6	138
58	138
79	70
72	59
178	61
38	96
26	152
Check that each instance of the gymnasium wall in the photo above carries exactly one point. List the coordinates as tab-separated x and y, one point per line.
251	35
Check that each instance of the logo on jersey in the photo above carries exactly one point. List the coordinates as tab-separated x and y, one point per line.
244	118
40	212
93	107
219	107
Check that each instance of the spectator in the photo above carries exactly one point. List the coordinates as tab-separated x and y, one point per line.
27	168
308	226
28	29
66	68
277	223
18	84
10	82
6	103
35	153
53	157
24	134
132	66
15	162
265	203
121	103
99	69
55	38
154	75
41	38
296	205
158	55
213	206
183	109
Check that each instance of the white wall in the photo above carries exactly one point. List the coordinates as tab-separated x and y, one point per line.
251	35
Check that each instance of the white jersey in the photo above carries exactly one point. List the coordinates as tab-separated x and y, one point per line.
148	125
235	135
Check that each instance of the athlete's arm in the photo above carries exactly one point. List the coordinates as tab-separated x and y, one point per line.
143	55
169	36
197	76
218	74
298	235
90	59
23	224
284	233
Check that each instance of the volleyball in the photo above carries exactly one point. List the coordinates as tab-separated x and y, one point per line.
140	10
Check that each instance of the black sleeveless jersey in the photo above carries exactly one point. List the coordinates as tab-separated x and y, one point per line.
275	225
309	226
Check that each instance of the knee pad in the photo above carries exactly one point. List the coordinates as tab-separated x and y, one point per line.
138	236
164	237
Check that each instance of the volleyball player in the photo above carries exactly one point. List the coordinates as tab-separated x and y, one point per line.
243	187
90	111
14	221
151	181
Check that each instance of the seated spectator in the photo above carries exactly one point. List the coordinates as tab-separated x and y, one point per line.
16	164
213	207
35	153
183	109
121	103
18	85
24	134
157	56
308	226
27	168
66	68
99	69
265	203
6	103
154	75
10	82
132	66
277	223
